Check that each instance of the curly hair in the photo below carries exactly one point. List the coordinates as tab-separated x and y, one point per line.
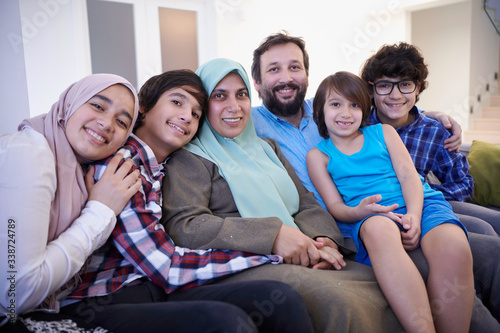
397	60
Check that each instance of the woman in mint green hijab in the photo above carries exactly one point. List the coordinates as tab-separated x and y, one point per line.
236	190
228	138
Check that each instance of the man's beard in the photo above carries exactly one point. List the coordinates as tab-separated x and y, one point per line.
280	109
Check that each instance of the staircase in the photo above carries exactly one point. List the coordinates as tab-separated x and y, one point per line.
486	128
492	10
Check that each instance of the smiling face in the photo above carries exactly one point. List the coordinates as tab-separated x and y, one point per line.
393	109
171	123
342	116
283	79
100	126
229	106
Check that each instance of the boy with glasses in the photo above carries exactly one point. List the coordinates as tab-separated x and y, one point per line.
386	87
402	65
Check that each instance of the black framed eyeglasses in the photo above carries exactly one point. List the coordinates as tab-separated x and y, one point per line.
385	87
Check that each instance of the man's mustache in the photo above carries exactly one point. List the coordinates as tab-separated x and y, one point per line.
284	86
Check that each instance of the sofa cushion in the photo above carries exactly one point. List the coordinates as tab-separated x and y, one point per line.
465	148
484	162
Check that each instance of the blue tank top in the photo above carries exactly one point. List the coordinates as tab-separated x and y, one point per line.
367	172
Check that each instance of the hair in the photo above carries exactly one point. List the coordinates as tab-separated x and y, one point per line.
347	84
398	60
279	38
152	90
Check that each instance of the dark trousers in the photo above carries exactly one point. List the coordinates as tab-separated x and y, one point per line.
476	218
254	306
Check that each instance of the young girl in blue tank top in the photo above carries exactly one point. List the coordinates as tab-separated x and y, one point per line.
369	184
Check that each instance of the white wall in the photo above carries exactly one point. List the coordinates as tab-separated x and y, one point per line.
55	48
13	86
339	35
443	35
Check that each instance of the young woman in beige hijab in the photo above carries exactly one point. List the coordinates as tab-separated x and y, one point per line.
53	215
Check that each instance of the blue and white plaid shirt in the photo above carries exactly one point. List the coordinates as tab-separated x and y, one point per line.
424	139
139	246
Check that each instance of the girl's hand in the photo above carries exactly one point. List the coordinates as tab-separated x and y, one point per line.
115	188
368	206
411	237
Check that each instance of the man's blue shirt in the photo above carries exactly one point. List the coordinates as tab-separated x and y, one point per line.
294	142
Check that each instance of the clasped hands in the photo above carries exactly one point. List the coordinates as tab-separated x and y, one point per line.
299	249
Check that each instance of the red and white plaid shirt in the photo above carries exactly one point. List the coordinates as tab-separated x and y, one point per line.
139	246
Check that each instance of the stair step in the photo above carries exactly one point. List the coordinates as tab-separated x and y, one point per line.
491	112
495	100
486	124
487	136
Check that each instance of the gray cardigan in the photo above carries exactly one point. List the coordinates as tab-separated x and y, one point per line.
199	211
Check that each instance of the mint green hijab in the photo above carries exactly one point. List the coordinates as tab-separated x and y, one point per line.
259	182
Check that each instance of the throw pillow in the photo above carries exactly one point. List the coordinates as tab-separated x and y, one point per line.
484	162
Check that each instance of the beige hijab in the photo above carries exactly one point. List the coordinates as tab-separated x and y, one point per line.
71	194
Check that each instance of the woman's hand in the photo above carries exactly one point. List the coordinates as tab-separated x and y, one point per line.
115	188
331	258
296	248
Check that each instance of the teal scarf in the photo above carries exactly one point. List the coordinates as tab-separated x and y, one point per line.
259	182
